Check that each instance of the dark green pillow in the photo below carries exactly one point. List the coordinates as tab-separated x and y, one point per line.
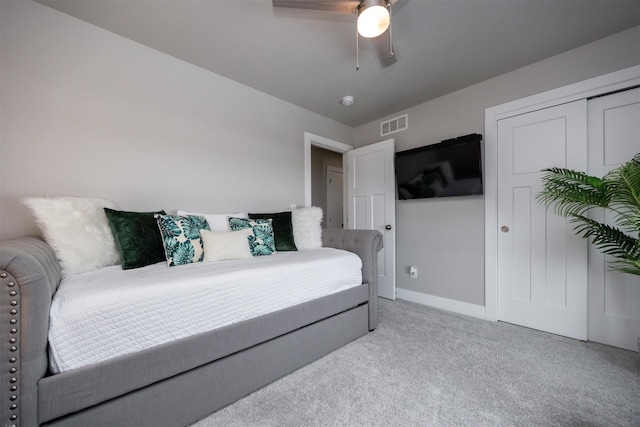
282	229
137	237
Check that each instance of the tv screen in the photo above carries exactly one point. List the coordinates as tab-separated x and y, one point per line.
449	168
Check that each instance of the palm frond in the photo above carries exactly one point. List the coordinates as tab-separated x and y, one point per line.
610	240
571	192
626	266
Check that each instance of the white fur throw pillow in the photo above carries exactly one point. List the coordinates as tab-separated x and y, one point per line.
78	231
217	222
226	245
307	228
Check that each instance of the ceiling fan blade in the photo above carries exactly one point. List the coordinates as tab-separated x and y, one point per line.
339	6
382	44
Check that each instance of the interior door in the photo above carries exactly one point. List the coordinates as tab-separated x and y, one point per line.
614	297
371	200
542	264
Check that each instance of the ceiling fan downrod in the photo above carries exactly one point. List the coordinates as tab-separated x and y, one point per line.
390	30
357	50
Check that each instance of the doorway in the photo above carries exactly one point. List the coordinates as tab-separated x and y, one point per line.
374	211
326	185
311	141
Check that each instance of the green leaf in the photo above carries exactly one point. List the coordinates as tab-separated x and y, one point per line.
190	228
184	253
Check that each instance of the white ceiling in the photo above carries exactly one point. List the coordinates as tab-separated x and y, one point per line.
308	57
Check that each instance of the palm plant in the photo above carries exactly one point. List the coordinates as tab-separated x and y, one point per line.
574	194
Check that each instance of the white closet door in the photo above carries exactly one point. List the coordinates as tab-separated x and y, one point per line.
614	298
542	265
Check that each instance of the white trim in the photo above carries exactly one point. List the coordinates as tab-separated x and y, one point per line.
611	82
442	303
319	141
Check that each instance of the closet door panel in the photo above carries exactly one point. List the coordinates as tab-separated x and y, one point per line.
542	265
614	297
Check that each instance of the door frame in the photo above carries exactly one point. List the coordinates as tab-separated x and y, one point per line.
328	144
611	82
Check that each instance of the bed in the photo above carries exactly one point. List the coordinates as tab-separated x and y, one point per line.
174	382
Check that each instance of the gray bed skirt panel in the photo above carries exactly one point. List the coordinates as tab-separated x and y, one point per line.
188	397
81	388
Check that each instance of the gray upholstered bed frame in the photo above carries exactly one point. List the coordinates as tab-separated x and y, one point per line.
175	383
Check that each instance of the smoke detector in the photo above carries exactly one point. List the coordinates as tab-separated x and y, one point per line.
347	100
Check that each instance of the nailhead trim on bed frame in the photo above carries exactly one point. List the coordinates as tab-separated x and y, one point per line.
14	350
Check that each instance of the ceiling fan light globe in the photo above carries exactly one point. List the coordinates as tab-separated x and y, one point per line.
373	20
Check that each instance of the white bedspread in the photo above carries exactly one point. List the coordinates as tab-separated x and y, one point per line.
110	312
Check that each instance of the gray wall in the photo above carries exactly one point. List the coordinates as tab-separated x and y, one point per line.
445	238
88	113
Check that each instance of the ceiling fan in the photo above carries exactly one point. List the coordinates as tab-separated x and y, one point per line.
374	21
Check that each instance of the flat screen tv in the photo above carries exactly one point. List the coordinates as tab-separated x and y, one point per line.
450	168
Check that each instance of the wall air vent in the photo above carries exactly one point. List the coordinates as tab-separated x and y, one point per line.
394	125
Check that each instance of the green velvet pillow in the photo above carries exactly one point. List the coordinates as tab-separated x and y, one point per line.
282	229
137	237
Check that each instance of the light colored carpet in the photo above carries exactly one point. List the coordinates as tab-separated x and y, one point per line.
429	367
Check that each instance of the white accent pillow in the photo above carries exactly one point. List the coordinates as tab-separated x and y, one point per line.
217	222
307	228
78	231
226	245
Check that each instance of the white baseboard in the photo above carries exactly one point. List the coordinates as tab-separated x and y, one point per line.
442	303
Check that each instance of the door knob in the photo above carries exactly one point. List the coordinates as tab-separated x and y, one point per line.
504	229
387	227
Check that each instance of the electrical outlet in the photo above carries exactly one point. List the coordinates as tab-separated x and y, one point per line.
413	272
